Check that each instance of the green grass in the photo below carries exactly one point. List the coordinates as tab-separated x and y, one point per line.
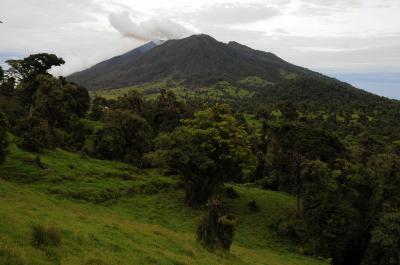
220	92
108	212
91	124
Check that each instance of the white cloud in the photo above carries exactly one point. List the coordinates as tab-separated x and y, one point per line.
232	13
151	29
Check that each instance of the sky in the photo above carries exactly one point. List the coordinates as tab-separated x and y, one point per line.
357	41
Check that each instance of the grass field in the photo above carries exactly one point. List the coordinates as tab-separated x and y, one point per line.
106	213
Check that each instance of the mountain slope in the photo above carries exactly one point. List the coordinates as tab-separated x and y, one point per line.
198	60
106	71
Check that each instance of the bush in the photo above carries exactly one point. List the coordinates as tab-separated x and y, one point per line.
253	207
293	227
216	228
34	134
46	235
34	140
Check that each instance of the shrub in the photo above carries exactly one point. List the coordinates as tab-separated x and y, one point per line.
46	235
216	228
293	227
253	207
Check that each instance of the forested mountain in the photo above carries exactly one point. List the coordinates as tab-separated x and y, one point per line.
197	60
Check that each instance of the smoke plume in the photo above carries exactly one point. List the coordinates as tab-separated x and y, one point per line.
152	29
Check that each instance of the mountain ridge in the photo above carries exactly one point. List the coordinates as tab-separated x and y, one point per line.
197	60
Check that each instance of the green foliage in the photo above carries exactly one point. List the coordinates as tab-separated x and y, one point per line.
216	228
98	106
34	134
207	150
3	137
384	246
253	82
7	85
168	112
77	99
329	217
27	69
125	137
133	101
56	102
292	143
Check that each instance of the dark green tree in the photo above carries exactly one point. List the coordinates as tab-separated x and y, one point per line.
34	134
3	137
384	246
126	137
77	99
168	112
207	150
26	70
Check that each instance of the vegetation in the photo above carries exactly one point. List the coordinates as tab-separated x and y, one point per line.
216	228
287	171
108	212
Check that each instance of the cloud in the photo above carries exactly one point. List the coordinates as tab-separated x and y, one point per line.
151	29
233	14
333	2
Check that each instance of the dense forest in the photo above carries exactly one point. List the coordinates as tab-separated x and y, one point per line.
336	149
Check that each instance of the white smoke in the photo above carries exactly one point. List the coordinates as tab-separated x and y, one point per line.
151	29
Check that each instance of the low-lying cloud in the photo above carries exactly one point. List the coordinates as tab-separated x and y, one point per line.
151	29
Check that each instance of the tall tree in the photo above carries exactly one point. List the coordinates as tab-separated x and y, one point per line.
207	150
26	70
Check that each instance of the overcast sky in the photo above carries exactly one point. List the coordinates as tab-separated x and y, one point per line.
355	40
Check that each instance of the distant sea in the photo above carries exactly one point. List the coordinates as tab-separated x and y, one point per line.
384	84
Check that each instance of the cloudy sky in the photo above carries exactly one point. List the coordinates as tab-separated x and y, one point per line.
354	40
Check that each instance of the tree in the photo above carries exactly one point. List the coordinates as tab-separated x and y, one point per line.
384	246
292	143
55	101
77	99
331	219
133	101
126	137
216	227
26	70
168	112
98	107
49	101
7	87
3	137
207	150
34	134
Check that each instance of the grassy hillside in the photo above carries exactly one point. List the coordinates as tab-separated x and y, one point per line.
111	213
